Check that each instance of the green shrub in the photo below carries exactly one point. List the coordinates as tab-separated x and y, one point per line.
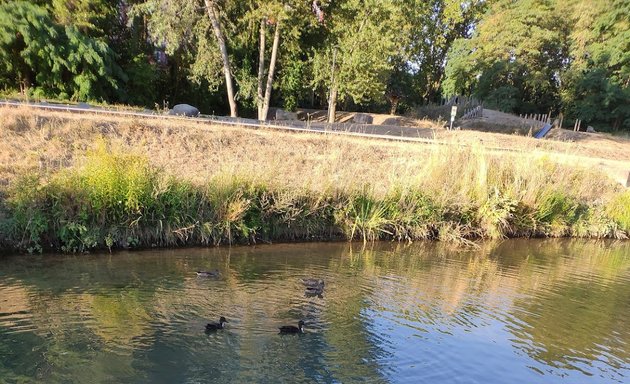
619	210
118	200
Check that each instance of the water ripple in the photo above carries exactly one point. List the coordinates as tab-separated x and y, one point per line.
519	312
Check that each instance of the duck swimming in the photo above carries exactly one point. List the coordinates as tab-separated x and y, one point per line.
214	273
313	283
310	292
214	326
286	329
314	287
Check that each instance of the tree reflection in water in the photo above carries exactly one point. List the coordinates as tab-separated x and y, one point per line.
519	310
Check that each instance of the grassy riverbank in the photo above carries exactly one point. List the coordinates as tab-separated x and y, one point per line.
79	184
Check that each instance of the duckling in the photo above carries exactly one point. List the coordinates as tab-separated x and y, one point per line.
214	273
313	283
286	329
214	326
310	292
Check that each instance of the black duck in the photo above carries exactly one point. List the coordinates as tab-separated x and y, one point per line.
214	326
214	273
287	329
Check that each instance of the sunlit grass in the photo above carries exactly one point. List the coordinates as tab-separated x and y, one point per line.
84	184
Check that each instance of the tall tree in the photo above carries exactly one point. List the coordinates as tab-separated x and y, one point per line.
54	60
537	55
355	62
283	22
597	86
435	26
186	25
272	14
213	13
515	58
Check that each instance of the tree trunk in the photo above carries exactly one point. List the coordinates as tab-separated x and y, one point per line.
272	67
394	107
214	19
332	104
261	70
332	100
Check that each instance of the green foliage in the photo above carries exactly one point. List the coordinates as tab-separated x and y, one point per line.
535	56
442	23
557	212
518	47
91	17
117	183
497	214
206	66
402	215
599	98
596	86
140	89
528	56
117	200
29	44
27	225
361	42
292	86
459	73
53	60
619	210
365	217
92	66
504	98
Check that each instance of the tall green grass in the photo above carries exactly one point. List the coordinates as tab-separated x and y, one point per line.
619	210
118	200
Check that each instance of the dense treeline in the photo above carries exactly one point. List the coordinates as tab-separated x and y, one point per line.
532	56
243	56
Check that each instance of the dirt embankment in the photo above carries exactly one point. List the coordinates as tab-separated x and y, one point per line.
37	140
498	130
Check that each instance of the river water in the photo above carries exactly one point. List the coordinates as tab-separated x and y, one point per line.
518	311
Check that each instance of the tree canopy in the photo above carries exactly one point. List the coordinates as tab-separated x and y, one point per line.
540	55
245	56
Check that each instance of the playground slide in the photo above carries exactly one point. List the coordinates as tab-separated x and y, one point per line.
543	131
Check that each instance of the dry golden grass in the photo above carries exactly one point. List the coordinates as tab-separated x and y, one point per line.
33	140
209	183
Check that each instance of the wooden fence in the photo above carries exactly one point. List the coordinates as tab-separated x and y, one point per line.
471	113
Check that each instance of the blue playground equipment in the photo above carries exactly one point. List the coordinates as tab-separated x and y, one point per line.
543	131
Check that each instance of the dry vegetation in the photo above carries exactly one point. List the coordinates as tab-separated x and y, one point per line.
45	142
367	185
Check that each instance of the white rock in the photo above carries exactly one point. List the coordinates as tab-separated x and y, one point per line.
184	110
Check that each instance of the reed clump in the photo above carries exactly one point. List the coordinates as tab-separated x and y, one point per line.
117	199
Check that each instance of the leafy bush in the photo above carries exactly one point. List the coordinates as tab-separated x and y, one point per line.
619	210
